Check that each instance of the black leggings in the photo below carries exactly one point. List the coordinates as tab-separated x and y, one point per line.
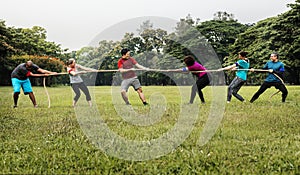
266	85
201	83
234	87
85	90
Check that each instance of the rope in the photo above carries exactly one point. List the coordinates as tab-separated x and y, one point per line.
164	70
281	82
44	83
158	70
255	70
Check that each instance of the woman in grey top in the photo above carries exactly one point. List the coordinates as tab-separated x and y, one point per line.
76	81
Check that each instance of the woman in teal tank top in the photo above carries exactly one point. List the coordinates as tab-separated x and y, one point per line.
241	76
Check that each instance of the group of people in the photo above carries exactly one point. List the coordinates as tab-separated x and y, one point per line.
126	64
274	67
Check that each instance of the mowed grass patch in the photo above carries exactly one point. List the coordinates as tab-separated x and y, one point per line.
253	138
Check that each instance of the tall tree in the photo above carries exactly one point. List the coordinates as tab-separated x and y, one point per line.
6	47
276	34
223	16
33	41
221	32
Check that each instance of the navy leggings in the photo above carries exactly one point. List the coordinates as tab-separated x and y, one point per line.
266	85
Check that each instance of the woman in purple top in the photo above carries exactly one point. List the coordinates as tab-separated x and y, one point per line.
198	71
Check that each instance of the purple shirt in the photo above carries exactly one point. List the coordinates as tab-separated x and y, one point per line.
197	67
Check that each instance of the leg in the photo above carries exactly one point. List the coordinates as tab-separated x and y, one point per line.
75	87
262	89
124	88
230	90
284	91
16	97
193	93
202	83
125	97
137	86
86	92
236	88
141	95
17	87
32	98
26	86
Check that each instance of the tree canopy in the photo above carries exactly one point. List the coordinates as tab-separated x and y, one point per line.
222	37
276	34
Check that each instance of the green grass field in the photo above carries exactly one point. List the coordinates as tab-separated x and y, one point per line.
258	138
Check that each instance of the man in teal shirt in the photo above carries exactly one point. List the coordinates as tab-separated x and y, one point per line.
241	76
275	67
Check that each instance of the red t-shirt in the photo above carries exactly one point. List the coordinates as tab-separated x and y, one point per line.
127	64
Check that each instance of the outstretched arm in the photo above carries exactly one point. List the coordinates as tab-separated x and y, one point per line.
76	73
140	66
182	70
38	75
45	71
85	68
231	67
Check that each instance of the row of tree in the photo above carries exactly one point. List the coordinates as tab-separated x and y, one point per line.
214	43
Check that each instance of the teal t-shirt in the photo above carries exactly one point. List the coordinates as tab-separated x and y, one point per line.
242	64
276	66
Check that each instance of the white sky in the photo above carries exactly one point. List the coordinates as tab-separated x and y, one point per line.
75	23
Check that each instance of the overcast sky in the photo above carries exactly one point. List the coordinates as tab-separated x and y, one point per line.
75	23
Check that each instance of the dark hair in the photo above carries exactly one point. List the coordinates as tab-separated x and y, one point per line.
189	60
70	61
124	51
276	54
243	53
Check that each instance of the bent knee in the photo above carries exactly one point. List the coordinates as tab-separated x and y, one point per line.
123	91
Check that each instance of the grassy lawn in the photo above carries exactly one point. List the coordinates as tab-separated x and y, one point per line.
258	138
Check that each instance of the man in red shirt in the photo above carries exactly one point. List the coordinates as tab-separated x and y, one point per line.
126	67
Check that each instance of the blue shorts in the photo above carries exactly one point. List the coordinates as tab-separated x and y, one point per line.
25	84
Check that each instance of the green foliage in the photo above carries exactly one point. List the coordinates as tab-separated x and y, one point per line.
258	138
221	34
6	47
277	34
223	37
44	62
33	42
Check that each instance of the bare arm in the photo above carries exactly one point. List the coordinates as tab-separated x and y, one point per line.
45	71
85	68
76	73
38	75
140	66
184	70
231	67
